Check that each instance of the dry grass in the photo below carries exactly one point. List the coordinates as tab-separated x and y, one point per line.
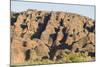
67	58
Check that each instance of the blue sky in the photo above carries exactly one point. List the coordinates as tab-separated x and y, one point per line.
19	6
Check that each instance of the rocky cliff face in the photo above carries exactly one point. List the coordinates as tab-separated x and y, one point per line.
38	35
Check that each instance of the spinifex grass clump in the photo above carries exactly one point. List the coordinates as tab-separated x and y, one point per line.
66	58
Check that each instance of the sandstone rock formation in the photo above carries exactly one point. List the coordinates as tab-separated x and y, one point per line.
38	34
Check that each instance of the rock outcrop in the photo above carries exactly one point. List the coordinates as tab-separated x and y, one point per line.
37	35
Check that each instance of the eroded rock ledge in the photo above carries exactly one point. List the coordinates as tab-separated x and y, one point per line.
37	35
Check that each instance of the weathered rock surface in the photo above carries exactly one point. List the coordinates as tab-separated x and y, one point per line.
38	34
